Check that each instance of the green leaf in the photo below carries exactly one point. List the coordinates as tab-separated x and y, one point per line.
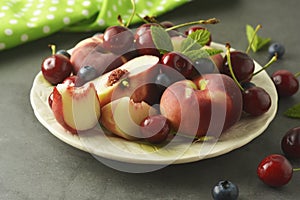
258	42
201	53
195	40
161	39
293	112
192	46
196	54
201	36
212	51
189	44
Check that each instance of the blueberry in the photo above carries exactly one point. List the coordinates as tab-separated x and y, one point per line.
87	73
247	85
64	52
204	65
225	190
163	79
276	48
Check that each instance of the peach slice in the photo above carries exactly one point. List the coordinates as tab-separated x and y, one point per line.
133	79
123	117
76	108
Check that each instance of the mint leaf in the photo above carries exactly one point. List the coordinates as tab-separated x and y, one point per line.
193	55
201	53
212	51
293	112
161	39
258	42
195	40
200	36
189	44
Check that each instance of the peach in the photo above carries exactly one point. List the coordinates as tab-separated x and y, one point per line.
206	106
90	52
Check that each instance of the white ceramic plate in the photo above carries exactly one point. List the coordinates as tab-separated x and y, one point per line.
177	151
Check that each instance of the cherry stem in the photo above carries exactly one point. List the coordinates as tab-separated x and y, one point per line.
120	20
273	59
132	14
53	48
142	18
296	169
208	21
253	37
203	139
230	67
297	74
125	83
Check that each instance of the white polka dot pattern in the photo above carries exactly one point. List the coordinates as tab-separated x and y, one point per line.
33	19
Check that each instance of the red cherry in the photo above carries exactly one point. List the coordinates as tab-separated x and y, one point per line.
118	39
290	143
56	68
285	82
155	128
242	66
275	170
140	30
145	44
256	101
169	24
179	62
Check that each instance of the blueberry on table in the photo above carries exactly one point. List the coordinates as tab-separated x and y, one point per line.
225	190
276	48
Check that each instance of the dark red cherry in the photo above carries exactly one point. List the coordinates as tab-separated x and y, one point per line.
118	39
141	29
155	128
144	42
275	170
285	82
256	101
169	24
290	143
242	65
179	62
56	68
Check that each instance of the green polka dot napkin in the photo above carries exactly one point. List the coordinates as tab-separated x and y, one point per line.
26	20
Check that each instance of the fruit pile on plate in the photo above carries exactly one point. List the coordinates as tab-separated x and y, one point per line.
153	83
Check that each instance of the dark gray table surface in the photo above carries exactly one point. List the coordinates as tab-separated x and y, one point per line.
34	164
